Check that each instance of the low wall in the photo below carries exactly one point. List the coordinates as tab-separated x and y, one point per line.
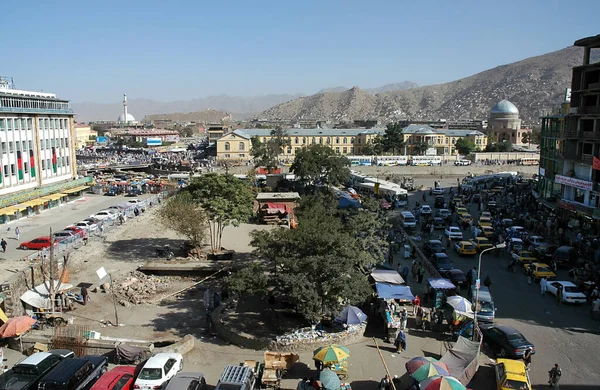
301	345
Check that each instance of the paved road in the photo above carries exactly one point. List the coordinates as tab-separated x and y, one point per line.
57	219
561	334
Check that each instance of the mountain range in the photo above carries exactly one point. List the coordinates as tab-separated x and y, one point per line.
534	85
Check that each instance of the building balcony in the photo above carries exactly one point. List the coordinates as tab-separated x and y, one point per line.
35	110
571	134
586	159
590	135
589	110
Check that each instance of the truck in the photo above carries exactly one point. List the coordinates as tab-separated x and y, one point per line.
242	377
27	374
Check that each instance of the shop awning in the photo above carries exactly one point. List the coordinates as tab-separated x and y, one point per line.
53	197
74	190
19	207
39	297
394	291
30	203
8	210
273	208
388	276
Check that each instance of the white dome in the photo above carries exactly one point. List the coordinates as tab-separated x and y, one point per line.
505	107
130	118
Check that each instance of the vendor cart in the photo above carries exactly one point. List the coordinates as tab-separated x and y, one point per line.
393	325
275	366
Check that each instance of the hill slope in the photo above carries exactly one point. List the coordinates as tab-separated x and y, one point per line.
533	85
206	116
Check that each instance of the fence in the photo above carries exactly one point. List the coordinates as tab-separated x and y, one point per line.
66	246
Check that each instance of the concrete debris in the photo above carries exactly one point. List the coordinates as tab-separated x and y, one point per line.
137	287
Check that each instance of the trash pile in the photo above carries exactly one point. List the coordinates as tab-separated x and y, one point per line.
137	287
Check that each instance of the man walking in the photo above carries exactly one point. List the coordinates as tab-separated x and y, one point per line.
543	285
3	244
404	318
18	233
554	376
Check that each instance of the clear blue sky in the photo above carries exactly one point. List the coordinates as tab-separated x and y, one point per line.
176	49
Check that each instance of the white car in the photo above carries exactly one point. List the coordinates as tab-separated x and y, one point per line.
486	214
104	215
437	191
139	203
538	241
453	233
87	225
425	210
462	162
158	370
571	293
444	213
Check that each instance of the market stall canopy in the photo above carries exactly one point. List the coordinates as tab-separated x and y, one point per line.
441	383
429	370
351	315
331	354
441	284
329	380
274	208
394	291
461	305
39	296
417	362
461	359
388	276
16	326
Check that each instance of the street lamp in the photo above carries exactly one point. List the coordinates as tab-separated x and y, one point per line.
478	281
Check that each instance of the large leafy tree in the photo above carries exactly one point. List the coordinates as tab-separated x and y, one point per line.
392	140
420	148
266	154
184	215
225	199
503	146
465	146
319	164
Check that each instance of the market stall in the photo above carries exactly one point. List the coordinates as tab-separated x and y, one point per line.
391	296
335	358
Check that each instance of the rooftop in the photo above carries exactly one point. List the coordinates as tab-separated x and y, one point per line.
593	41
505	107
293	132
426	130
277	195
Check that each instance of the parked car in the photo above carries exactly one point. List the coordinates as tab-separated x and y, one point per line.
37	243
565	256
63	234
457	277
441	262
453	233
485	308
571	293
138	203
158	370
119	378
481	243
26	374
105	215
444	213
75	374
462	162
425	210
541	269
505	341
88	225
511	374
465	248
439	223
187	381
433	246
110	192
437	191
81	232
134	192
439	202
523	257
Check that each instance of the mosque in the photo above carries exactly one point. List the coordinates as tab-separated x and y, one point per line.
504	123
126	118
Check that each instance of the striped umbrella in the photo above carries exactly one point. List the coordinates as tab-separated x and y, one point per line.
441	383
429	370
417	362
331	354
329	380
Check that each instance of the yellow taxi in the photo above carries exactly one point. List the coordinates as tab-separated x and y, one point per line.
487	231
465	248
461	210
540	270
523	257
484	221
511	374
465	218
481	243
486	214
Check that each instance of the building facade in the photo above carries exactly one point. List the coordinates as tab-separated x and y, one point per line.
237	144
84	135
443	140
580	193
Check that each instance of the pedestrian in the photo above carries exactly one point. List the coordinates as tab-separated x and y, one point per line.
416	304
84	295
554	376
216	300
18	233
543	285
420	274
529	272
559	295
400	342
403	318
3	244
419	317
385	383
527	357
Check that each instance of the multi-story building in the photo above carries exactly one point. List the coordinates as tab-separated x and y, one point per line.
84	135
580	195
37	150
443	140
237	144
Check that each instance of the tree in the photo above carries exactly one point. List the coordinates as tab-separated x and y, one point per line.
318	163
526	138
420	148
465	146
184	215
248	280
393	140
267	153
373	147
225	199
503	146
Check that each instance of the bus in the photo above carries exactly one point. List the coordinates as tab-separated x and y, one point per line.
529	161
397	193
390	161
487	181
357	161
425	160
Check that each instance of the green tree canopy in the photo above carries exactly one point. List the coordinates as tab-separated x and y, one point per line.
319	164
184	215
503	146
392	140
266	154
225	200
465	146
420	148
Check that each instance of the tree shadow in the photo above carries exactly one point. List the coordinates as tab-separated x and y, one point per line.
143	248
300	370
484	378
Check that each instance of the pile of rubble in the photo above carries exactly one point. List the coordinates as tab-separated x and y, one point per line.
137	287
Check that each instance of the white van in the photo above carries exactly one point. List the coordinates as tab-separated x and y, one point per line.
408	220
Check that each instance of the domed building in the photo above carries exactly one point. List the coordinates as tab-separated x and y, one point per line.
122	118
504	123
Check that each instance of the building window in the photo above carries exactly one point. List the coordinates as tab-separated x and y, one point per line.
48	163
11	147
352	140
337	140
296	150
289	150
579	195
227	146
352	150
42	144
30	145
68	161
296	140
2	124
337	150
304	141
43	164
242	155
24	145
3	147
358	141
6	174
12	169
9	124
345	150
314	140
25	167
227	155
345	140
328	140
47	144
242	146
321	140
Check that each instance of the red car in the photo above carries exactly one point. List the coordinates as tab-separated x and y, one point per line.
119	378
37	243
76	230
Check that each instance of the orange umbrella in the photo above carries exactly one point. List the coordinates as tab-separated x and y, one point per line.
16	326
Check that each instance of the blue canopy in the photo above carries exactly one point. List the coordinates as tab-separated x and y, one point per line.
351	315
394	291
442	284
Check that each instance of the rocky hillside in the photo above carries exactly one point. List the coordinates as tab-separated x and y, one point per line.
206	116
534	85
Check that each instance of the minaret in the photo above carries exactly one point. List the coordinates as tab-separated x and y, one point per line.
125	108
